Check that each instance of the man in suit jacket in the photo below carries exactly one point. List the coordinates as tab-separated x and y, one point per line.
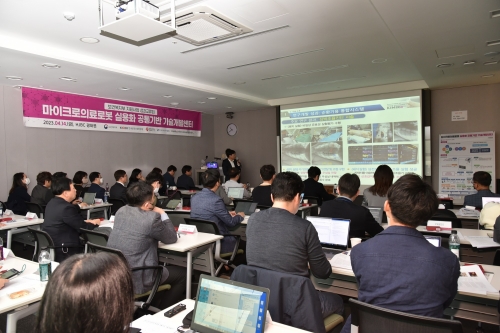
168	177
185	181
481	180
229	163
41	193
313	188
118	190
95	187
63	221
137	229
399	269
343	207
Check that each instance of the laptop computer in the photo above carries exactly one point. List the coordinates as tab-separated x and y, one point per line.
332	233
377	213
235	192
89	198
434	240
172	204
229	306
490	199
246	207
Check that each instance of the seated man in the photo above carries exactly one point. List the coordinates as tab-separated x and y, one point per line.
95	187
481	181
118	190
206	205
185	181
155	179
262	193
138	228
399	269
279	240
42	193
234	175
313	188
343	207
168	177
63	221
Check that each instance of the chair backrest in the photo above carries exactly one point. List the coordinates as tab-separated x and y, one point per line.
496	260
117	204
175	195
444	213
43	241
177	218
370	318
455	223
209	227
94	248
359	200
300	308
34	208
94	237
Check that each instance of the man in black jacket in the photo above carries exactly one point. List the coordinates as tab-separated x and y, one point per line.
95	187
118	190
185	181
343	207
62	220
313	188
229	163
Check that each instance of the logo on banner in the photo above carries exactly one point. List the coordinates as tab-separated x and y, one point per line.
105	126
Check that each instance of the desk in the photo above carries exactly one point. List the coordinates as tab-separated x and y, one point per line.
176	320
24	306
191	245
18	227
185	211
97	208
469	222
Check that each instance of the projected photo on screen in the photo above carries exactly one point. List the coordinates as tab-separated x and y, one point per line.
353	137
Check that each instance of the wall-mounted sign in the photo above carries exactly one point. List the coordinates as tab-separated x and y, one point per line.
53	109
459	115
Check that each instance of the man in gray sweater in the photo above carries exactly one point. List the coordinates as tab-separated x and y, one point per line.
137	229
279	240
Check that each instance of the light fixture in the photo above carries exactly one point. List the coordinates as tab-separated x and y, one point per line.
174	103
14	78
89	40
469	62
490	63
495	13
50	65
211	97
379	61
493	42
66	78
239	82
124	88
492	54
201	102
167	96
229	107
444	65
69	16
487	76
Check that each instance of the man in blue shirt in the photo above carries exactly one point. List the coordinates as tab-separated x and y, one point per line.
481	180
399	269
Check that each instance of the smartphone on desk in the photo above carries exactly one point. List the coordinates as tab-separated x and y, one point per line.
11	273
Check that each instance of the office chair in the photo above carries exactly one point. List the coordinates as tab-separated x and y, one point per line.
94	237
212	228
35	208
444	213
117	204
300	308
373	319
42	241
157	271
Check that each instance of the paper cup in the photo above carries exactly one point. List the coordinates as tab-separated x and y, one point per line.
355	241
306	201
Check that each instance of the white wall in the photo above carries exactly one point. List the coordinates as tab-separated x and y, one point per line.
32	150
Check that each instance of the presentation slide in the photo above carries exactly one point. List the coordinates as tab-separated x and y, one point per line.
353	137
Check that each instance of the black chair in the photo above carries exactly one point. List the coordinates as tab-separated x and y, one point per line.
444	213
42	241
373	319
158	270
448	203
35	208
359	200
93	237
496	260
300	308
177	218
117	204
314	210
212	228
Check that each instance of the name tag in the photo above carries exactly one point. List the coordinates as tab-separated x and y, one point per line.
438	225
31	216
187	229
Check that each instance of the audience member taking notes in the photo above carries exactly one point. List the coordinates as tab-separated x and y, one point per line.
313	188
399	269
481	181
376	195
262	193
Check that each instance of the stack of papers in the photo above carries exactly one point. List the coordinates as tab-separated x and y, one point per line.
342	260
153	324
468	212
481	241
472	280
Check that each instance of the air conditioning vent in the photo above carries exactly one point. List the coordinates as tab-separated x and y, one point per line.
202	25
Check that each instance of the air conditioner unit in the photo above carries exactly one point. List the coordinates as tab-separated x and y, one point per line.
203	25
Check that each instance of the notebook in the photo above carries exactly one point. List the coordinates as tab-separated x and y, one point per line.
377	213
246	207
434	240
229	306
235	192
89	198
332	233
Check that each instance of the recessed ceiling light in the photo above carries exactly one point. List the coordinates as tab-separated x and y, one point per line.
174	103
495	13
493	42
66	78
201	102
17	87
444	65
492	54
69	16
50	65
229	107
469	62
211	97
490	63
239	82
487	76
89	40
124	88
379	60
167	96
14	78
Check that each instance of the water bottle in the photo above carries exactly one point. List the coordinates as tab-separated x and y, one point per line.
454	243
1	210
1	249
107	187
45	265
166	190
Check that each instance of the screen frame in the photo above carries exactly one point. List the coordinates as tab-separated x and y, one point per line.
328	245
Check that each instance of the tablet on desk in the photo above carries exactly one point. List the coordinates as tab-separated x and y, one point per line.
89	198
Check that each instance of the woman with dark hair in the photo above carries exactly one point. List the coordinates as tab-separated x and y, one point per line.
135	176
18	194
80	181
376	195
88	293
42	193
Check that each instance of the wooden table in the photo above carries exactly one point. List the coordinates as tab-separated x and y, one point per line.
19	227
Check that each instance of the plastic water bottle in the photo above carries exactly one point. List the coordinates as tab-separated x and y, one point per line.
45	265
1	210
454	243
107	187
1	250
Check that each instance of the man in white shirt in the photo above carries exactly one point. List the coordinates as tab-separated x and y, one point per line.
234	175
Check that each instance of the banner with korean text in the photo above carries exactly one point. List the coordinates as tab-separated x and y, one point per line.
53	109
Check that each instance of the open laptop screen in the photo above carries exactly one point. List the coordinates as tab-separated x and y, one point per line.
332	233
434	240
490	199
235	192
89	198
229	306
246	207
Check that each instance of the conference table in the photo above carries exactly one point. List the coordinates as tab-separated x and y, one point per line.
97	208
18	225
